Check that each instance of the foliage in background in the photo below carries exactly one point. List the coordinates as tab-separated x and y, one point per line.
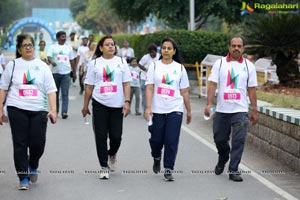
276	36
10	10
96	15
193	45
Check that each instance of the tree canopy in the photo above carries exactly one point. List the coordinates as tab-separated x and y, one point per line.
10	10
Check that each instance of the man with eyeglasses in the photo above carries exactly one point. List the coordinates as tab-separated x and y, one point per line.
234	76
62	59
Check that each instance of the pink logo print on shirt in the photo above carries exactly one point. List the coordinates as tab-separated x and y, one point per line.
62	58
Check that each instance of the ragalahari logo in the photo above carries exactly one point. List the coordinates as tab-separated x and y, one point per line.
246	8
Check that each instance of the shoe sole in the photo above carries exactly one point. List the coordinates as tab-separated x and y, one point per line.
33	178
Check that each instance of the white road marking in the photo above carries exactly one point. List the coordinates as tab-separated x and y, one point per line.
258	177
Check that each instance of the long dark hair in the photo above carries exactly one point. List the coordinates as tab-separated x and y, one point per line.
20	39
176	57
99	53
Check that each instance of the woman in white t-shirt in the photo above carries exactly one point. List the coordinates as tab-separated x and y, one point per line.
166	93
28	84
107	82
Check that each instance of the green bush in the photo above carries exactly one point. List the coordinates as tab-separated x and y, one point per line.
193	45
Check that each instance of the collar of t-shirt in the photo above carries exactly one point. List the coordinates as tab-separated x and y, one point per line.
228	58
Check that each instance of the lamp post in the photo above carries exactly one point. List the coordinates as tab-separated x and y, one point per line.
192	15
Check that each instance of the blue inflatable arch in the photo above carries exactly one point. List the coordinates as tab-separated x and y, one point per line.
29	20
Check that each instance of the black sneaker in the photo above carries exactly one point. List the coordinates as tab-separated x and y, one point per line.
168	175
235	177
219	168
64	115
156	165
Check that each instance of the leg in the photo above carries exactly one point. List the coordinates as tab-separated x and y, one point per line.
19	123
100	126
65	84
57	79
221	130
157	131
137	100
143	90
37	137
239	133
171	138
115	130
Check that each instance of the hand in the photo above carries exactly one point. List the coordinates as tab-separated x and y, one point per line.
74	77
53	64
52	114
126	109
85	111
147	113
188	117
254	117
207	110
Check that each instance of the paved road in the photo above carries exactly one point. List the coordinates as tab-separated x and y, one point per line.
68	169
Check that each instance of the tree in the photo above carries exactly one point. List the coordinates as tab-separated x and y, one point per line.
10	10
276	36
96	15
175	13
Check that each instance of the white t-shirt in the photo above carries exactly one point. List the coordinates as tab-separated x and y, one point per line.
127	53
81	53
61	55
135	76
145	61
2	62
168	80
32	82
232	78
107	76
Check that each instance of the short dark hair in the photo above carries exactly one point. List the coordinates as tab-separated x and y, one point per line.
152	47
236	36
60	33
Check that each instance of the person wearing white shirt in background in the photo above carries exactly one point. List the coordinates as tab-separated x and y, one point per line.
135	84
28	87
62	59
80	61
167	93
2	63
107	83
126	51
144	63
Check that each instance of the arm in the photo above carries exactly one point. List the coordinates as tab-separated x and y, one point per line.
2	97
73	67
51	62
126	106
142	68
210	97
149	93
52	103
87	98
186	99
253	101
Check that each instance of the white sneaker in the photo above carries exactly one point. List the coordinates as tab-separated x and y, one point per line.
112	162
104	173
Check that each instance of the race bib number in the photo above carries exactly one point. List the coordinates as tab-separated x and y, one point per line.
232	95
108	89
165	91
61	58
28	92
135	75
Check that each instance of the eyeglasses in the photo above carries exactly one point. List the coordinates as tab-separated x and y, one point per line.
238	46
25	46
